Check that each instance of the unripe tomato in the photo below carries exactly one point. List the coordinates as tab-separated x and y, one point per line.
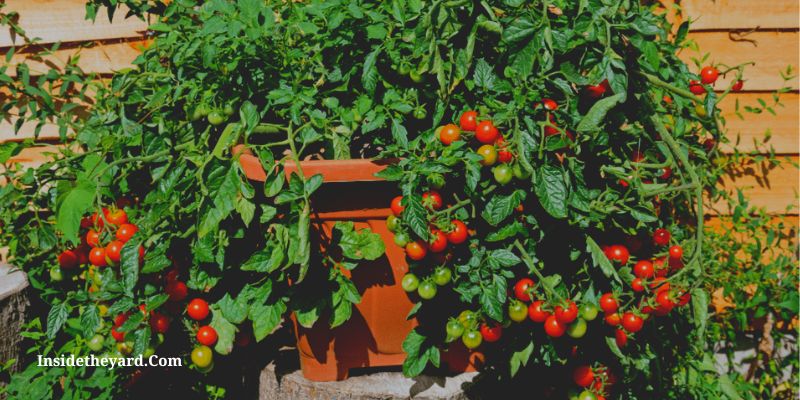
159	322
202	356
96	343
216	118
68	259
436	181
517	311
420	113
632	322
583	376
486	132
416	250
432	199
396	206
454	330
401	239
392	223
522	289
589	312
471	339
442	276
709	75
207	335
644	269
176	290
459	233
676	252
427	290
618	254
125	348
700	111
126	231
468	121
197	309
577	329
491	333
56	275
553	328
567	314
468	319
410	282
113	250
489	154
502	174
520	172
608	303
201	111
98	257
536	313
449	134
661	237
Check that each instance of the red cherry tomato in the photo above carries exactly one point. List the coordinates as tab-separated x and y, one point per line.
439	242
696	88
98	257
621	338
118	336
126	231
492	333
608	303
92	238
159	322
522	289
486	132
553	328
549	104
676	252
113	250
709	75
665	173
632	322
396	206
535	312
197	309
664	300
207	335
661	269
637	285
176	290
567	314
661	237
613	319
468	121
117	217
597	91
68	259
583	376
459	233
659	285
618	254
432	199
737	86
416	250
644	269
449	134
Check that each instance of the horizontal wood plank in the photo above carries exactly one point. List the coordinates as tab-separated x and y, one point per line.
64	21
741	14
773	188
747	134
99	59
772	53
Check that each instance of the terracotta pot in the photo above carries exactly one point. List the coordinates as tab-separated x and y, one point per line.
374	335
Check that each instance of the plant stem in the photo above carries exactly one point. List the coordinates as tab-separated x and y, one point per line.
529	261
672	88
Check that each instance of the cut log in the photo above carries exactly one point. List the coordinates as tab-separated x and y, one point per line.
13	303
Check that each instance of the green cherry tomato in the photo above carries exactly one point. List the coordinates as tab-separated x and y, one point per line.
589	312
215	118
96	343
436	181
125	348
420	113
202	356
228	110
404	69
441	276
401	239
586	395
201	111
520	172
517	311
410	282
415	76
502	174
468	319
454	330
577	329
149	351
392	223
472	339
700	110
56	275
427	290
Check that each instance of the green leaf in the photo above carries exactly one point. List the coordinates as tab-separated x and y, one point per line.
359	245
248	113
417	356
307	317
90	320
267	318
369	72
503	258
226	332
552	190
399	134
520	29
415	216
484	76
234	311
728	388
55	319
500	207
72	208
599	259
520	358
129	265
141	339
700	310
593	119
227	138
493	297
505	232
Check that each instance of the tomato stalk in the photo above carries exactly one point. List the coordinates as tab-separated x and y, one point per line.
529	262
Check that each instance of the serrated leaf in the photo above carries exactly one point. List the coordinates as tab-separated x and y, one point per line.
594	118
520	358
226	332
55	319
129	265
599	259
552	190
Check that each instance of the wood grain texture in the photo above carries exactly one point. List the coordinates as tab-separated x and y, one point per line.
772	53
748	134
64	21
99	59
741	14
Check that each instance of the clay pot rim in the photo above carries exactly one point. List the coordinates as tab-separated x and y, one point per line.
353	170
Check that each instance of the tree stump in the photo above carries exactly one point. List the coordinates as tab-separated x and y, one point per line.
282	380
13	302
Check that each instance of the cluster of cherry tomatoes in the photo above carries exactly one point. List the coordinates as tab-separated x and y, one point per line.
494	150
658	297
708	76
563	316
471	330
596	382
442	236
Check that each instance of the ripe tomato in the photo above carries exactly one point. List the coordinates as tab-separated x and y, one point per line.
68	259
522	289
597	91
517	311
486	132
621	338
176	290
684	298
92	238
632	322
454	329
637	285
661	269
491	333
664	300
659	285
459	233
737	86
536	313
117	217
427	290
202	356
709	75
468	121
416	250
577	329
117	335
549	104
449	134
567	314
159	322
665	173
676	252
644	269
472	339
553	328
98	257
438	242
661	237
396	207
207	335
392	223
197	309
582	375
489	154
618	254
608	303
442	276
432	200
502	174
613	319
589	312
504	156
696	88
126	231
113	250
410	282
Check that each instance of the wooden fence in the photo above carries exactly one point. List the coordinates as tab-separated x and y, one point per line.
732	31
